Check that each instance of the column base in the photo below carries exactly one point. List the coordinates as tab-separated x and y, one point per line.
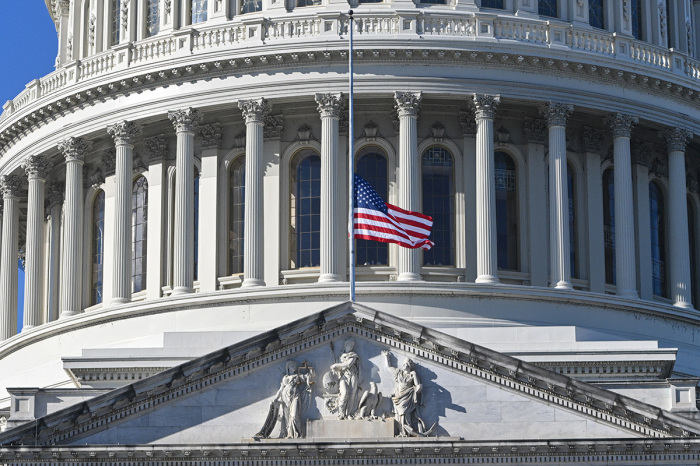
117	301
632	294
65	314
487	279
179	290
27	327
409	277
563	285
248	282
681	304
329	277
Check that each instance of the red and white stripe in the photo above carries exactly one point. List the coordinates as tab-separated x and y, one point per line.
403	227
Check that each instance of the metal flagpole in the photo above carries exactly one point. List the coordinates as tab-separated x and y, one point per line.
351	171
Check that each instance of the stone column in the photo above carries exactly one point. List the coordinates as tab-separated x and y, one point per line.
184	121
536	134
330	105
124	134
36	168
559	248
254	112
71	256
209	182
486	244
55	196
621	126
10	186
595	241
679	245
467	123
407	105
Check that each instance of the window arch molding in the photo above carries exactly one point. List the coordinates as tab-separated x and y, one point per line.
523	232
460	204
285	185
225	165
88	202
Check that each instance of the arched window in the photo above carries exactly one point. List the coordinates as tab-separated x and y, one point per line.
692	252
152	18
139	230
372	166
251	6
596	13
506	212
98	247
438	202
571	185
547	8
306	210
198	13
196	224
637	16
492	4
236	196
116	6
609	225
657	219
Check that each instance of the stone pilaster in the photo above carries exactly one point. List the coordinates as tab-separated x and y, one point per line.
254	113
36	168
330	106
407	106
621	126
124	134
10	186
184	121
55	205
679	245
486	244
73	150
559	248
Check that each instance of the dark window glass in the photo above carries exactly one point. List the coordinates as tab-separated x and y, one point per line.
236	186
572	217
98	227
691	252
196	224
199	11
492	4
506	212
637	18
251	6
116	21
609	225
372	166
438	202
657	218
309	2
429	2
596	13
306	210
547	8
153	18
139	230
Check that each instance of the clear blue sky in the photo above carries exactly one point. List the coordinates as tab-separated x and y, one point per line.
27	52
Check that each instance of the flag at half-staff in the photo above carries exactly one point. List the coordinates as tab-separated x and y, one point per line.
374	219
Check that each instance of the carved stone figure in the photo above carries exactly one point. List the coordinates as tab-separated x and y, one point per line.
289	402
407	398
369	403
347	373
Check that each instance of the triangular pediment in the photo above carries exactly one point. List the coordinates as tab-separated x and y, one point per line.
467	392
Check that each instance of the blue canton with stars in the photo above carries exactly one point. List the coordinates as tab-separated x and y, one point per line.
366	197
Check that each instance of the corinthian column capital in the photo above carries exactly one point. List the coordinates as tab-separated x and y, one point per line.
330	105
10	186
408	103
74	149
254	111
621	124
556	113
485	105
185	119
36	167
676	138
124	132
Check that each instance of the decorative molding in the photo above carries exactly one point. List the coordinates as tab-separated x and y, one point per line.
485	106
109	161
91	30
642	153
304	134
467	122
36	167
254	111
592	140
502	135
124	132
211	135
676	138
370	131
408	103
11	186
662	18
437	131
274	125
74	149
55	193
125	16
95	178
621	124
330	105
156	148
556	113
186	119
535	130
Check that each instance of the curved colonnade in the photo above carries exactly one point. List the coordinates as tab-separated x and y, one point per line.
212	159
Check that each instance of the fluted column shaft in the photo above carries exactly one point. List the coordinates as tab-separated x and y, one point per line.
71	257
123	133
624	206
329	105
254	112
486	244
679	245
407	105
560	249
36	168
56	192
184	122
10	186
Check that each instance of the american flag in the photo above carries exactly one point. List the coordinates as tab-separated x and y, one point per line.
376	220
